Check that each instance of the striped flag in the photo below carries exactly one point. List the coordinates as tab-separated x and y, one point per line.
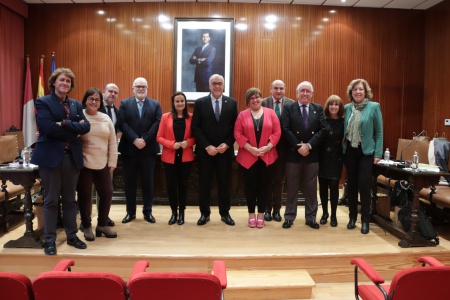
29	118
40	92
53	63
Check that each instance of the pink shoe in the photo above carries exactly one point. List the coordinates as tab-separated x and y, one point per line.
251	223
260	223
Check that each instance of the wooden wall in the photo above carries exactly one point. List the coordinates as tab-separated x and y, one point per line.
384	46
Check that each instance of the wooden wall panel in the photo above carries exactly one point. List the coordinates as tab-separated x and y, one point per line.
375	44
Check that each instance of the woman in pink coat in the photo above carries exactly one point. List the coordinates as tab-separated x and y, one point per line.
175	135
257	132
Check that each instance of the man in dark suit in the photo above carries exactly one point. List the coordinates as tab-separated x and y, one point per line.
277	102
110	95
59	156
213	128
302	124
203	59
139	118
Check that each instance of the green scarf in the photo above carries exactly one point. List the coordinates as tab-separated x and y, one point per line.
353	129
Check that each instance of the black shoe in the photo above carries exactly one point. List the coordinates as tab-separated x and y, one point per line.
333	221
227	220
128	218
203	220
351	224
110	223
267	216
313	224
277	217
77	243
149	218
288	224
50	248
324	219
365	228
181	219
173	219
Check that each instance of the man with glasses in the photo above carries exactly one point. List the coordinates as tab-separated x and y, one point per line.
213	128
203	59
139	118
276	102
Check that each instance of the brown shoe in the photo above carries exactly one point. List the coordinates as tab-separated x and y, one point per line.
88	234
106	231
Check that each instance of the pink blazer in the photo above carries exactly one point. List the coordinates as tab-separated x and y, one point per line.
166	138
244	132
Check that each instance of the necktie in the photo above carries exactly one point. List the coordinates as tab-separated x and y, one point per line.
109	111
304	116
217	110
277	108
140	103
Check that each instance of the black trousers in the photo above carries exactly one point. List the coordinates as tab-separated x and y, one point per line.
177	178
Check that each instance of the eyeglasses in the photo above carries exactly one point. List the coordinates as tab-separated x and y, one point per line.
92	99
216	83
358	90
255	98
140	87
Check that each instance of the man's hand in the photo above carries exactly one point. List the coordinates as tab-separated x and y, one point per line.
222	148
139	143
304	149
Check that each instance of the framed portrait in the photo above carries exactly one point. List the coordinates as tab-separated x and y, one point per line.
203	47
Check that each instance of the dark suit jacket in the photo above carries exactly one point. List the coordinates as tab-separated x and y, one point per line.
204	69
52	140
207	130
116	111
270	103
133	127
295	133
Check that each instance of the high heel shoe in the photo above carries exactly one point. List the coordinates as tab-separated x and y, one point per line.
365	228
333	221
106	231
260	223
88	234
251	223
351	224
324	219
173	219
181	218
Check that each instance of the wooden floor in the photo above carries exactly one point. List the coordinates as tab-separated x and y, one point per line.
324	253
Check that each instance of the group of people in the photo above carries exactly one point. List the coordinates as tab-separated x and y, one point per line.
278	138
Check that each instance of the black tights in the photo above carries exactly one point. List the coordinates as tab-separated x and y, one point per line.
333	185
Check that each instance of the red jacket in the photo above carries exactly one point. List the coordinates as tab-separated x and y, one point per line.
166	138
244	132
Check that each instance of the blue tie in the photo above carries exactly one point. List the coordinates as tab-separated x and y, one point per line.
140	103
304	116
217	110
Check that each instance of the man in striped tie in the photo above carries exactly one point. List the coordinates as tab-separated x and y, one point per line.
276	102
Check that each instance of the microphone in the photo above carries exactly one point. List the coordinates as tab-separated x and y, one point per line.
402	165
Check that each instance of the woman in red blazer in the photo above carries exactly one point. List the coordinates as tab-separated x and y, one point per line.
257	132
175	135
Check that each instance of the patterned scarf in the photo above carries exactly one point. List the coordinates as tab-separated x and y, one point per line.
353	129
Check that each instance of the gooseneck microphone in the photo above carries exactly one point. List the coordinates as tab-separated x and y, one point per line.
401	153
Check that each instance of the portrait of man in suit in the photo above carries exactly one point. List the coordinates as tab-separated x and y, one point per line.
203	59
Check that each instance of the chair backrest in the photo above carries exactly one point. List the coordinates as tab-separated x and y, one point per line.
177	285
15	286
421	146
57	285
421	283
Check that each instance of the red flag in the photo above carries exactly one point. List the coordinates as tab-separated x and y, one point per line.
40	92
29	118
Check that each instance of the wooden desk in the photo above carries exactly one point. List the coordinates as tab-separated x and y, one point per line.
25	176
419	180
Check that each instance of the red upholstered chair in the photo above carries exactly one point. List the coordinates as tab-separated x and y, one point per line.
15	286
417	283
61	283
177	285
